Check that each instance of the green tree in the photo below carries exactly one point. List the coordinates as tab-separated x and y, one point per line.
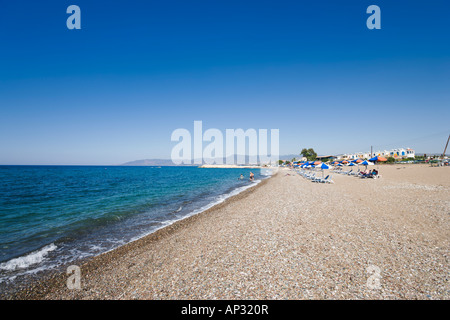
390	160
310	154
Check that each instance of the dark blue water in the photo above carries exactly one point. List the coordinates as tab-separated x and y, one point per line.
52	215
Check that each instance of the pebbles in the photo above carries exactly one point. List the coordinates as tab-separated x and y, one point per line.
288	238
417	187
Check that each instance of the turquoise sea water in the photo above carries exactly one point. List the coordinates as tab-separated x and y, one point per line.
52	215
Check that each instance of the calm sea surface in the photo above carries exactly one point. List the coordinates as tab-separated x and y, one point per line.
52	215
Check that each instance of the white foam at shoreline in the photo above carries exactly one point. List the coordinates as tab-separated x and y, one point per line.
220	199
28	260
38	256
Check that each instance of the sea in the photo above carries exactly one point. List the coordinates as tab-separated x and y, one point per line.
51	216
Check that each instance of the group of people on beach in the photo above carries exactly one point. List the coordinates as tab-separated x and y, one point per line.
252	176
369	173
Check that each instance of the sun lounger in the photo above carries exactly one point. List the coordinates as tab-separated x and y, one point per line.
311	177
316	179
327	179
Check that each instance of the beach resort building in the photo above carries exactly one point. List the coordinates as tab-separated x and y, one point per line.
353	156
325	158
398	153
402	153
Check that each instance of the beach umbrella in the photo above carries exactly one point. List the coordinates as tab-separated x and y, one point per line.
323	166
339	165
355	162
367	163
358	161
344	161
378	158
351	164
316	163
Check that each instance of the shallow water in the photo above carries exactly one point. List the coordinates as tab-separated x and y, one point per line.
52	215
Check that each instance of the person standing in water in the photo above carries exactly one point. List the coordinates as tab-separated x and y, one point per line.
241	177
251	176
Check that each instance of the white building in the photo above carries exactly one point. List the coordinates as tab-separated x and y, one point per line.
402	153
399	153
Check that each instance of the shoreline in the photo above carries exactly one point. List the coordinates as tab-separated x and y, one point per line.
36	289
288	238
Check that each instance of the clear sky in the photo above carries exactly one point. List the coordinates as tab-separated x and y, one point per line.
137	70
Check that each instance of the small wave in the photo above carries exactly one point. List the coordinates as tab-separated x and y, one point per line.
28	260
216	201
219	199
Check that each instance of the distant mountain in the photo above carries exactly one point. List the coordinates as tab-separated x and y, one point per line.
168	162
290	157
150	162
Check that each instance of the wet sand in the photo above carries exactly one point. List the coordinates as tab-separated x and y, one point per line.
289	238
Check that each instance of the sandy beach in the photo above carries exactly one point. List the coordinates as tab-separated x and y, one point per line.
289	238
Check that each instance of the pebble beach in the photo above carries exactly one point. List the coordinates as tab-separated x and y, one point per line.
288	238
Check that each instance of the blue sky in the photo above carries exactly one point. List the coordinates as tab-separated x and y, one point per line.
137	70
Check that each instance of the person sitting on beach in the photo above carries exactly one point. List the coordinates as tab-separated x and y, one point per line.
251	176
365	173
